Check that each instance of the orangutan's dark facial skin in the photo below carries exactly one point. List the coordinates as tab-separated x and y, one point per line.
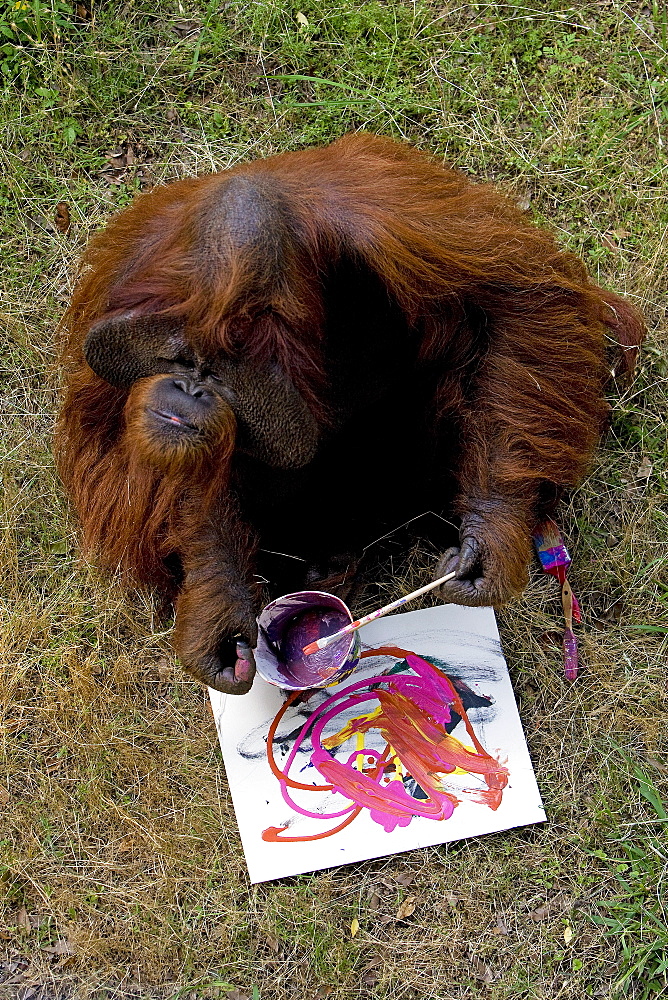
182	405
182	417
183	401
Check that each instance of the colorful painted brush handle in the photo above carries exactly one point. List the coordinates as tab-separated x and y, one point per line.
567	603
571	664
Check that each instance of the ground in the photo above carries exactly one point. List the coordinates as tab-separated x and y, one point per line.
121	872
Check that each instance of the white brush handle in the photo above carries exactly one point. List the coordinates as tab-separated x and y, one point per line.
313	647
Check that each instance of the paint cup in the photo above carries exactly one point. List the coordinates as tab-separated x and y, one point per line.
288	624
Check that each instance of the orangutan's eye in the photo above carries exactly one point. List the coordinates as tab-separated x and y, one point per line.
181	362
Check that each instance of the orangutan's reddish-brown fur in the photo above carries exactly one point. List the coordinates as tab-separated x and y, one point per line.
512	324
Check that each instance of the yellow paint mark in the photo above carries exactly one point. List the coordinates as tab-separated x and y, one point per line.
359	745
350	729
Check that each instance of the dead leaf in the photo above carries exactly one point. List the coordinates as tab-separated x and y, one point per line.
620	234
118	162
568	934
354	927
371	970
405	879
406	908
62	217
237	995
120	158
608	244
4	796
614	612
501	927
373	963
549	638
14	725
644	470
524	203
29	990
560	901
53	764
480	970
22	921
187	28
145	177
273	943
61	947
374	902
65	962
301	19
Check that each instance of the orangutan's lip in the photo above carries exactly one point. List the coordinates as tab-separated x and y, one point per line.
173	418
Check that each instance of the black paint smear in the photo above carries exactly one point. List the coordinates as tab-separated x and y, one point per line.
284	741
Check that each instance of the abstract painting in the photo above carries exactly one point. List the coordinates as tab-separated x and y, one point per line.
421	745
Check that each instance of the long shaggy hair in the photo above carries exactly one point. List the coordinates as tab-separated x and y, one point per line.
515	324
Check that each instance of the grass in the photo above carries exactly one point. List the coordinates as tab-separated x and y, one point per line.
635	916
121	873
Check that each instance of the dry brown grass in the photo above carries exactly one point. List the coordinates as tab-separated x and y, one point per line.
118	845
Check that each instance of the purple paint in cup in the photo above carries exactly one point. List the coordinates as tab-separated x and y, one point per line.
288	624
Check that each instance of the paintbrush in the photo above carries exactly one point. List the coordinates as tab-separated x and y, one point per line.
555	560
327	640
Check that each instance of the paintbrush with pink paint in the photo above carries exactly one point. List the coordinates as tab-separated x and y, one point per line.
327	640
555	560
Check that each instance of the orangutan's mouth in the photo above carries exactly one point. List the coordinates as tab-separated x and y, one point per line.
175	419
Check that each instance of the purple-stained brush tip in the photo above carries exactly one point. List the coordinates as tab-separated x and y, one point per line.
291	622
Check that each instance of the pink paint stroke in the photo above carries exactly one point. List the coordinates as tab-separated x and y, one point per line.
411	713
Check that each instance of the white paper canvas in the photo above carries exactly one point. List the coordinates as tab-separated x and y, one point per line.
457	643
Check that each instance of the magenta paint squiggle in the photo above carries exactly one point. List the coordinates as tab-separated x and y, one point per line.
411	712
